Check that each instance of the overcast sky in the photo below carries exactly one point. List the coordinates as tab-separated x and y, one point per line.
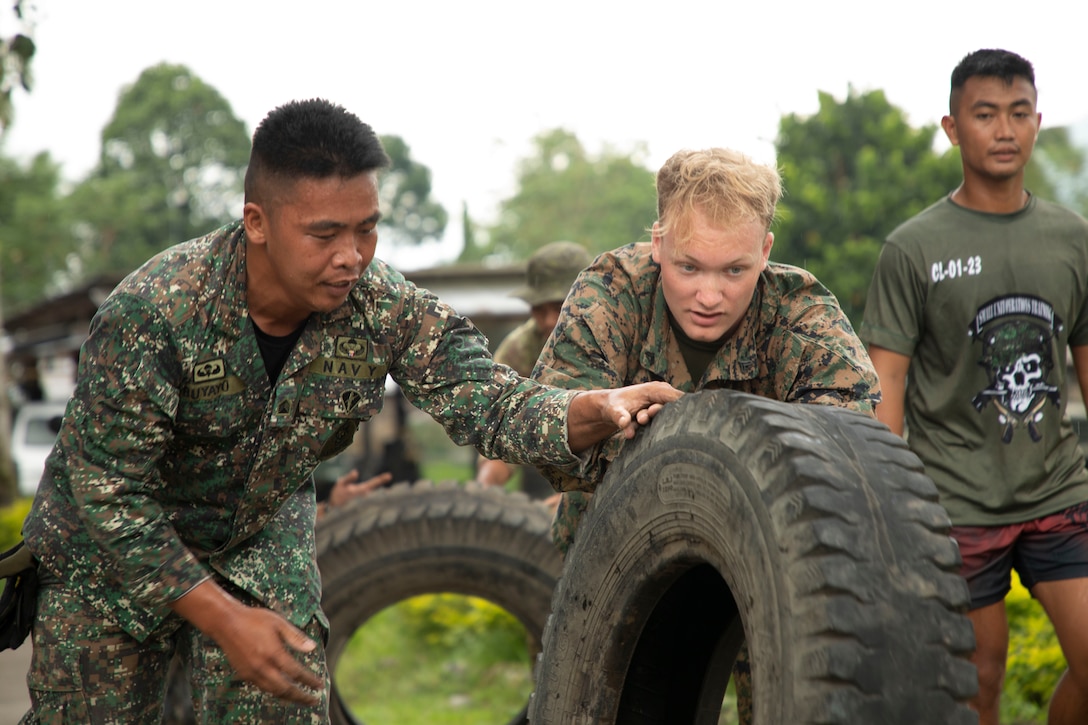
468	84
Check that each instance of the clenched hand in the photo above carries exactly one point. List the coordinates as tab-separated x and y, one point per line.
258	642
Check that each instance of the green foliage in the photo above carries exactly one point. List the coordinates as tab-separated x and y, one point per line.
170	168
445	470
16	53
468	231
1035	659
36	243
1059	169
853	172
436	659
409	215
11	522
468	624
601	202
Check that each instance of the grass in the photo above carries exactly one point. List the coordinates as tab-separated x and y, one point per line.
445	471
442	660
436	660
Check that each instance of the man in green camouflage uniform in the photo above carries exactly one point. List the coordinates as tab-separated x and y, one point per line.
701	307
176	512
548	276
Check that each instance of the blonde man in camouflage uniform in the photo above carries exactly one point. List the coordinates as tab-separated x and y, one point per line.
550	272
700	306
177	509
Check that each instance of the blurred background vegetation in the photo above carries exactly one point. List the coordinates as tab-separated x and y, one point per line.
437	658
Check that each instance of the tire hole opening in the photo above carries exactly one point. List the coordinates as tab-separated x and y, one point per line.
682	663
435	659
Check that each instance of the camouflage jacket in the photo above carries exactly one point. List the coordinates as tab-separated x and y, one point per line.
521	347
177	458
795	344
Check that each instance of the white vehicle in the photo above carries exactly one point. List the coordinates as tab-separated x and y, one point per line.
32	436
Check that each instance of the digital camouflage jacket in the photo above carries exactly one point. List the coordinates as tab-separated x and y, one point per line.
794	345
177	458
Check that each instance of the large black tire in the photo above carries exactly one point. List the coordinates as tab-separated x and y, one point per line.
809	531
426	538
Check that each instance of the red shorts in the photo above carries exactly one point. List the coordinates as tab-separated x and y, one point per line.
1051	548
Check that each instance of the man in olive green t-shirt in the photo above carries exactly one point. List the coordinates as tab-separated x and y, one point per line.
980	298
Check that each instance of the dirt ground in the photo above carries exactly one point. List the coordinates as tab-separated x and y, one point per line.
14	701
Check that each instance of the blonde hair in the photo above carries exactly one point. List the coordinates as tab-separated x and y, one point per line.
726	186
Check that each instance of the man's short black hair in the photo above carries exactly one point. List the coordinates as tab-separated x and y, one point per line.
990	63
312	139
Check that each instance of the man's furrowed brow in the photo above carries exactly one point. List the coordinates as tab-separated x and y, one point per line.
325	225
330	225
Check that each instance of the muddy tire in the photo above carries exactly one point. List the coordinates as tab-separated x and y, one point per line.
428	538
809	531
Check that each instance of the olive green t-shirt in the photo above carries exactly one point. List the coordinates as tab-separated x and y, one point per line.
986	306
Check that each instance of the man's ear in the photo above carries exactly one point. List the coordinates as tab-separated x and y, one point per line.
255	221
655	243
948	123
768	242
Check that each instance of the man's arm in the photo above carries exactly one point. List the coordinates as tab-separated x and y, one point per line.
515	350
117	428
492	471
597	414
257	641
1080	364
891	369
348	487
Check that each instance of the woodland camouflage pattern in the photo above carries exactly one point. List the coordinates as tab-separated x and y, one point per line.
178	461
795	345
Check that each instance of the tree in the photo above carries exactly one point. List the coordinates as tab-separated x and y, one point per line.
1059	169
853	172
602	201
36	243
171	166
16	53
410	216
468	229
